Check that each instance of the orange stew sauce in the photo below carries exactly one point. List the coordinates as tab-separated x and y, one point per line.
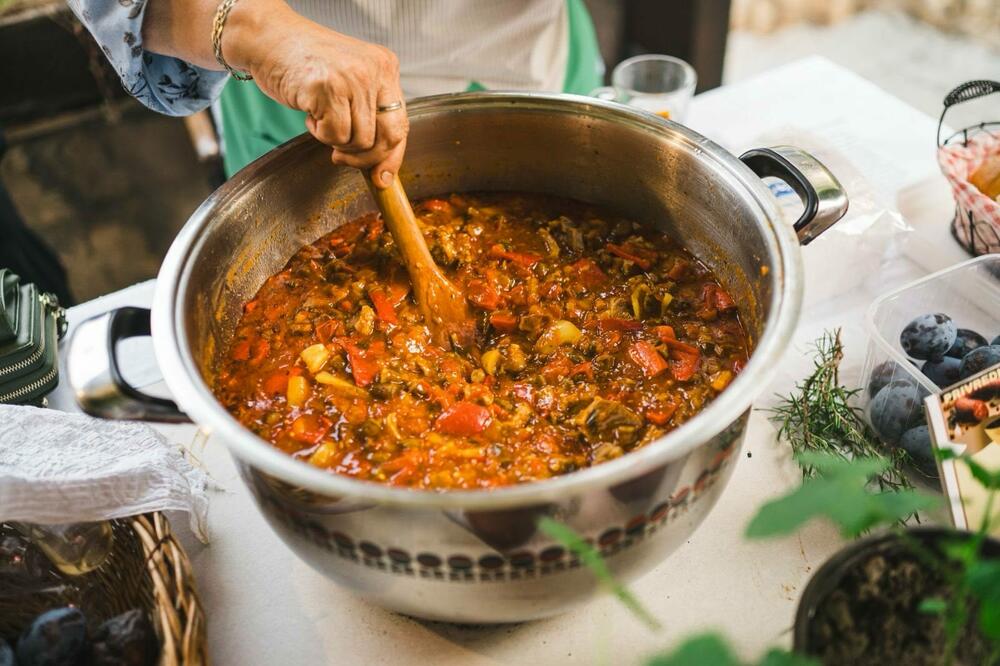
595	337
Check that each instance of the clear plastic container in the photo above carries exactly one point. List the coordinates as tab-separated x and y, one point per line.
969	293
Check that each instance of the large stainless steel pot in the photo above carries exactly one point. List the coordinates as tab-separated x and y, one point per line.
477	556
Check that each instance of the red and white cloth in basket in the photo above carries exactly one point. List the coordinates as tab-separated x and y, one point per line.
977	217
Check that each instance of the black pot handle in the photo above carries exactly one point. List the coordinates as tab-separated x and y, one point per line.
822	195
96	378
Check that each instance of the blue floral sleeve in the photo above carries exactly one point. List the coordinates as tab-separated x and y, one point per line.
163	83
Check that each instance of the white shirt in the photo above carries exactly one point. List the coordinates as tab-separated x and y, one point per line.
444	45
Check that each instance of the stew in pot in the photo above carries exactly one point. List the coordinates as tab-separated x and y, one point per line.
596	336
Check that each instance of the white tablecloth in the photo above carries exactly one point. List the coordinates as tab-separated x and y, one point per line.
266	607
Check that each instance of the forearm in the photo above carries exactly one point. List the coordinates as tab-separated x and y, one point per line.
183	29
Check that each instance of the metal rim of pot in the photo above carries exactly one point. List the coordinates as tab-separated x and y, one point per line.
824	200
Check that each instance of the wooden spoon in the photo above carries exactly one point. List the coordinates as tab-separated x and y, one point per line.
443	305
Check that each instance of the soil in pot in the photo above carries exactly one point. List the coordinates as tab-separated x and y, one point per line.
874	617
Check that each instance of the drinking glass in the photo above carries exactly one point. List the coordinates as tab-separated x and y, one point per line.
659	84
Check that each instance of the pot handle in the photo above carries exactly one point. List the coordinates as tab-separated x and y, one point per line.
97	381
822	195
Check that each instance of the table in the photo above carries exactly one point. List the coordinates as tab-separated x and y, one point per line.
266	607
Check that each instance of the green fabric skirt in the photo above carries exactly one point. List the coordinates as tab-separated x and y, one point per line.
253	123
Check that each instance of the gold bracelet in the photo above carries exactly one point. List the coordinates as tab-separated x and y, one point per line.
221	14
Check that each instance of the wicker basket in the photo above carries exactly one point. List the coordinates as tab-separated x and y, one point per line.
147	569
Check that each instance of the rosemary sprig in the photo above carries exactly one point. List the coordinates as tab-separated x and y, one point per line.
818	416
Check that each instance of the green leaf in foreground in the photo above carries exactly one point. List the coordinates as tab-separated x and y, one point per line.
776	657
591	558
986	478
712	650
933	606
840	492
696	651
983	580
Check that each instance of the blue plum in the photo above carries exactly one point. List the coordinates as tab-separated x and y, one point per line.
895	409
943	372
125	640
917	443
966	341
978	360
56	638
6	654
882	374
928	336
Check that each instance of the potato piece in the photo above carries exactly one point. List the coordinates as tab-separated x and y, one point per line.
489	360
315	357
515	359
341	385
721	379
323	455
560	332
365	323
298	391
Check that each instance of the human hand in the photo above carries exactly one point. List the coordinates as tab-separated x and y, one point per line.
337	80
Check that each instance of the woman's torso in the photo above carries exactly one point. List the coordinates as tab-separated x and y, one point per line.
443	45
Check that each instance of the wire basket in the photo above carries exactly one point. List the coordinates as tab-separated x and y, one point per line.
976	224
148	569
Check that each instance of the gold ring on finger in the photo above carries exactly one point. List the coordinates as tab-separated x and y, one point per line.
386	108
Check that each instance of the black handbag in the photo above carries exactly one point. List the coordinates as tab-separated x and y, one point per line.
31	325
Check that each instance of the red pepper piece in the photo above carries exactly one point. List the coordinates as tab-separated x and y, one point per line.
589	273
436	206
259	351
661	415
346	235
363	369
327	329
556	369
723	301
397	292
641	257
681	347
678	270
482	294
665	333
383	306
525	259
241	350
503	322
276	383
463	419
647	358
586	369
375	229
309	428
683	364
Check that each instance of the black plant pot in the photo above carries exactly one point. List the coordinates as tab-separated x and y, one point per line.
830	576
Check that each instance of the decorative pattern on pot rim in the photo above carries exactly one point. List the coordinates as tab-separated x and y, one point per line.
495	567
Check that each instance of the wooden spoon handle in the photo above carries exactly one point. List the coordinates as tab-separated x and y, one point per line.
402	224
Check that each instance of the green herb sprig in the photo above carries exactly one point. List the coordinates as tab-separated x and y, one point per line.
818	416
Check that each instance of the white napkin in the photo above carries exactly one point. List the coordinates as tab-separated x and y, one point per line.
68	468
